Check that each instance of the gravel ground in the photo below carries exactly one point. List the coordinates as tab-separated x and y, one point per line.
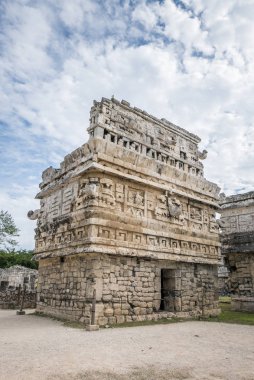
33	347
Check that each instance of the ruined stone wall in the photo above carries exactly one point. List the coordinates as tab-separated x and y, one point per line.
12	282
241	267
237	221
10	299
16	276
127	289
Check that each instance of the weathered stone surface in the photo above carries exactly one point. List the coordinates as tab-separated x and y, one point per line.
127	212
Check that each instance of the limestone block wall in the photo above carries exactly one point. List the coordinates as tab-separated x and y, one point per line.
127	289
132	289
62	287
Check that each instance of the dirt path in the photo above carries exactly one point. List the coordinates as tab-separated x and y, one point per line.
39	348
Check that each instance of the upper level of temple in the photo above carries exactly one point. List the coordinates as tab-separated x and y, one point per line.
128	139
135	188
140	132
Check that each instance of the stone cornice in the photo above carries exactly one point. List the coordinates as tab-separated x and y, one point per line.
176	255
101	168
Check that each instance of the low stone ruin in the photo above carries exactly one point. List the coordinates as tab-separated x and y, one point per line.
12	282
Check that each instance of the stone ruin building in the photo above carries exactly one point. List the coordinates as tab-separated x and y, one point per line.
130	215
18	275
237	221
12	281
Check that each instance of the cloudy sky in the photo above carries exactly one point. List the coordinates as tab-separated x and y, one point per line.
188	61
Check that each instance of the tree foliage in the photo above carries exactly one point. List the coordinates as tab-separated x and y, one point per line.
8	255
22	257
8	231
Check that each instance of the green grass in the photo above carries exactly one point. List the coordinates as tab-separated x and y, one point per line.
74	325
229	316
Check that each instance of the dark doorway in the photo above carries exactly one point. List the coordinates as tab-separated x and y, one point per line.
168	290
4	285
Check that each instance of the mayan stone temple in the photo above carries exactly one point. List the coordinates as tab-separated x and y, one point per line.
127	223
237	220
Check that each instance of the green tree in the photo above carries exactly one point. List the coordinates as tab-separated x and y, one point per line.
20	257
8	231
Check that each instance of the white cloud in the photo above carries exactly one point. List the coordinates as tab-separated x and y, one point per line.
75	14
145	15
192	66
26	38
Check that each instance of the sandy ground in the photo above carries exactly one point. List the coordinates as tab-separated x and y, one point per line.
33	347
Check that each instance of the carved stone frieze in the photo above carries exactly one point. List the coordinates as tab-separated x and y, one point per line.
95	192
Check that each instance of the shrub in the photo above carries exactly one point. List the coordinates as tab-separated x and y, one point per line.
22	257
